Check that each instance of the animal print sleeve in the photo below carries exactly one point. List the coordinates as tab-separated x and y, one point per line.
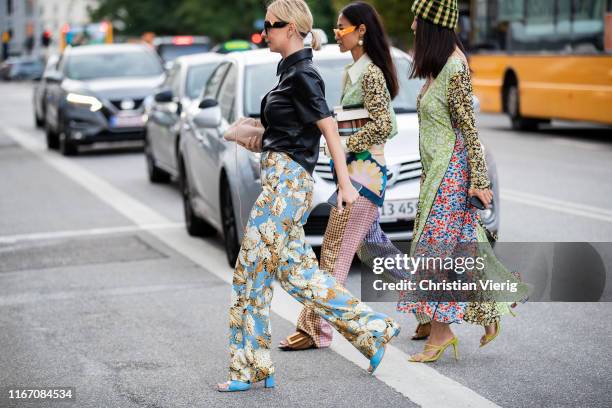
462	115
376	99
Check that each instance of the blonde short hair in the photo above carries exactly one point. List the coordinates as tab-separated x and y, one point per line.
298	13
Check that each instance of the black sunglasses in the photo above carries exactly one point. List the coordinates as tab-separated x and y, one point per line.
277	24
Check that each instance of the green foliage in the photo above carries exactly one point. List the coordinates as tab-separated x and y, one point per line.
219	19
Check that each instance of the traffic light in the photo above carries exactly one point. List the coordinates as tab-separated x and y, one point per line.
257	39
46	38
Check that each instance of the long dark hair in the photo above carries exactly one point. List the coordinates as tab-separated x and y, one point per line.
375	42
433	45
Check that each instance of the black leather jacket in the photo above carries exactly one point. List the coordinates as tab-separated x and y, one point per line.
289	112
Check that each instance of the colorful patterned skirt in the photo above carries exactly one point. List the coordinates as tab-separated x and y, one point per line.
450	221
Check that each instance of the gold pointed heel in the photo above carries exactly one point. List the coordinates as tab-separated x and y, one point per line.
487	338
439	351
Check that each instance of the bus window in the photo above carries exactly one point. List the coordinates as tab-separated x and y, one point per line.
588	26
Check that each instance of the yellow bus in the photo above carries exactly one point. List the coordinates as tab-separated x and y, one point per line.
542	60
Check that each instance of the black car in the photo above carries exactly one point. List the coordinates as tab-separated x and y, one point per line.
40	91
97	93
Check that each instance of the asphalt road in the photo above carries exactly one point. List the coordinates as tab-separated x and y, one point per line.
101	288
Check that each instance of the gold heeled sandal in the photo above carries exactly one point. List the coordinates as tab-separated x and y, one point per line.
439	351
487	338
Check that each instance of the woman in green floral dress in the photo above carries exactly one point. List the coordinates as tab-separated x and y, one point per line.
454	169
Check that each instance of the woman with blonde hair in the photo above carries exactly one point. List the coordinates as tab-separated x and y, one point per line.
293	116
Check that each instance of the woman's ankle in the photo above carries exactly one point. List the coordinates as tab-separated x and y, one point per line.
440	333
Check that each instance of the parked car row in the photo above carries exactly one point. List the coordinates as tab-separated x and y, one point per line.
121	92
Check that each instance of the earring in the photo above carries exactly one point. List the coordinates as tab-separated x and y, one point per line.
360	42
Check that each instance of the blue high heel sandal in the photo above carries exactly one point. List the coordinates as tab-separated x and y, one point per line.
380	353
236	385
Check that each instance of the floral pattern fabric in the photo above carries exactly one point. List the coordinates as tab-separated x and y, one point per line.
274	248
450	221
453	162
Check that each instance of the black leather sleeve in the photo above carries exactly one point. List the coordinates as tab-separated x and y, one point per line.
309	96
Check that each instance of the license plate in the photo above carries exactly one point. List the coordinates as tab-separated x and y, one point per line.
393	210
122	121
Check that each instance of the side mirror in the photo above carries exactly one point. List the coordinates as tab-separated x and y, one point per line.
208	103
209	115
164	96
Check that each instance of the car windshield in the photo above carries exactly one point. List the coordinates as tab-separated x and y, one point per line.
197	77
261	78
170	52
112	65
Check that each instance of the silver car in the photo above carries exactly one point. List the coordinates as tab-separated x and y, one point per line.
164	110
221	180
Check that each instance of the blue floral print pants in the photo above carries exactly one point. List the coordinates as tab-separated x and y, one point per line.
274	248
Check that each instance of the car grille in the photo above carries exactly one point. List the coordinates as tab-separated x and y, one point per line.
137	103
408	170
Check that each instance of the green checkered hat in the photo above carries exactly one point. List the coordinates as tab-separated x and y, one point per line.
444	13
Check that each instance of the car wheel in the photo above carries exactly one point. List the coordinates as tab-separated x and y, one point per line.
52	137
66	146
195	225
230	230
513	105
156	175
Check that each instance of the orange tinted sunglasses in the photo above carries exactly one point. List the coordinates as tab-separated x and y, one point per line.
341	32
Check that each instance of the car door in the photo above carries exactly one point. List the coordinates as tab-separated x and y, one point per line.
40	90
164	119
199	153
213	138
54	94
192	83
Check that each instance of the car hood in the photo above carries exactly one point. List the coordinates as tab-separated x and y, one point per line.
404	146
115	88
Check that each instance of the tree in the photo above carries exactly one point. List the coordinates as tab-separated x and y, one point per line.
219	19
134	17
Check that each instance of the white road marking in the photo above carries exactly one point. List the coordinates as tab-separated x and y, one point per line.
37	236
568	207
421	383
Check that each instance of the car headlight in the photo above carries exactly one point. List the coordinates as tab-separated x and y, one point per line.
78	99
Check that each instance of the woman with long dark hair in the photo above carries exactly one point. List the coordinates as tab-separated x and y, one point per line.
370	82
454	169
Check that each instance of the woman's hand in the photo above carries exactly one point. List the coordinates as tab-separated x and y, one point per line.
247	132
485	195
253	143
347	194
